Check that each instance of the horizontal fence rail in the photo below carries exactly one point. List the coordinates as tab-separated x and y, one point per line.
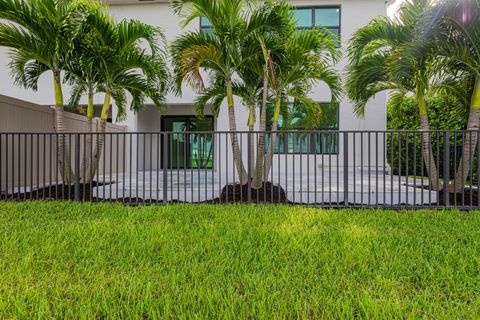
329	168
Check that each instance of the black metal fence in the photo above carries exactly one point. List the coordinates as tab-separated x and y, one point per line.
389	169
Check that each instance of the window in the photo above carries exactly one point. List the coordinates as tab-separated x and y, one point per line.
205	26
189	151
303	142
306	17
315	17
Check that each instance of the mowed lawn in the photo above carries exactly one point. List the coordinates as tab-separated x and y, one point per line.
65	260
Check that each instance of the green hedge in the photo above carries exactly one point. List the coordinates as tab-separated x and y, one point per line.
444	114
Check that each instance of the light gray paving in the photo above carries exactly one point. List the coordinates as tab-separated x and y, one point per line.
324	187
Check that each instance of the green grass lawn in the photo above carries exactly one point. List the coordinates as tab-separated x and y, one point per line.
64	260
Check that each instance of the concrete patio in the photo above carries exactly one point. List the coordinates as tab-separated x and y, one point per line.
327	187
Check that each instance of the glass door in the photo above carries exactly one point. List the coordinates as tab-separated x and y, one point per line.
178	147
193	150
201	144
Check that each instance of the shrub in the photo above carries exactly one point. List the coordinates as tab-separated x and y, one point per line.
445	113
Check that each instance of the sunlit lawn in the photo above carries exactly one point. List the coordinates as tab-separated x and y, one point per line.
64	260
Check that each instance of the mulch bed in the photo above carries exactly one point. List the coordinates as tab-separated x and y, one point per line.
237	193
56	192
468	198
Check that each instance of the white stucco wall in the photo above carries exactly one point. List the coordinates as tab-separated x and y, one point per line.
354	14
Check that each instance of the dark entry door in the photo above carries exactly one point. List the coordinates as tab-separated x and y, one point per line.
188	147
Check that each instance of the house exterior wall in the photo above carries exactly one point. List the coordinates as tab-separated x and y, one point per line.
354	14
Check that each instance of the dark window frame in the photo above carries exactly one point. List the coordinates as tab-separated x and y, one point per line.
188	119
314	8
330	133
202	27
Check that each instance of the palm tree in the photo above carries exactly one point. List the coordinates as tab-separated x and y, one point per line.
83	75
393	55
309	58
39	35
122	68
220	53
455	28
253	87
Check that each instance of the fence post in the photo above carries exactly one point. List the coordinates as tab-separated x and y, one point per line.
249	161
345	168
77	167
165	168
446	168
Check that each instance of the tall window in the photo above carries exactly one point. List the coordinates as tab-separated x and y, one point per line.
324	141
314	17
205	25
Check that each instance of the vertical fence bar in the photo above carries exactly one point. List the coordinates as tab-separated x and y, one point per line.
308	167
31	168
354	166
399	138
438	166
249	167
478	166
471	171
144	166
285	151
110	178
19	167
6	166
376	169
220	167
104	172
345	168
165	166
337	169
1	167
278	167
415	168
369	144
406	168
241	171
446	168
227	186
159	163
454	161
362	162
392	136
77	167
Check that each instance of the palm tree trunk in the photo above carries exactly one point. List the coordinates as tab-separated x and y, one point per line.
251	125
86	168
273	136
62	143
258	176
470	142
427	152
101	135
237	157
